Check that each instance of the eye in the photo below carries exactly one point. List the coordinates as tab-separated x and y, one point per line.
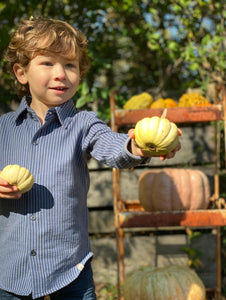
47	63
70	65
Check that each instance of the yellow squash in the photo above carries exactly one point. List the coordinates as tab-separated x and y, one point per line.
19	176
156	136
140	101
192	99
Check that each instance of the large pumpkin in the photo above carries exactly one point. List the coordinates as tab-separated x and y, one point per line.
167	283
174	189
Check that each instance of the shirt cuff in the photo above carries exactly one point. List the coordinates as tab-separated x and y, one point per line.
142	159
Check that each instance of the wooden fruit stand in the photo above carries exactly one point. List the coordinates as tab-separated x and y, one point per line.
130	214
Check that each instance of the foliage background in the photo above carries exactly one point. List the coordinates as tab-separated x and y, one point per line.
135	46
160	46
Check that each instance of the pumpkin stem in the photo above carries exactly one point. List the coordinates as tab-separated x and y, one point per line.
151	147
163	116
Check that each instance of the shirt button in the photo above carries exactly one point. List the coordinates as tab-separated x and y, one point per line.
33	253
33	218
35	143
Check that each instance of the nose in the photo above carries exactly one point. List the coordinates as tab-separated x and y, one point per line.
59	72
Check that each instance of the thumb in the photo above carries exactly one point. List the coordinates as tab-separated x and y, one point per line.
131	133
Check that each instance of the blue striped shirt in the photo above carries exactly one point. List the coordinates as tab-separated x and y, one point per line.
44	240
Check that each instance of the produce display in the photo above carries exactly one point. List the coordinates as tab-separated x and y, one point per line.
141	101
156	135
167	283
192	99
145	100
174	189
19	176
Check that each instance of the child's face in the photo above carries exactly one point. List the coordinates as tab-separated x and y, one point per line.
52	79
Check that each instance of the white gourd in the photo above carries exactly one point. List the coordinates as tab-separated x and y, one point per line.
18	176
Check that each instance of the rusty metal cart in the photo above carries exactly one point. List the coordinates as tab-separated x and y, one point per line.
130	214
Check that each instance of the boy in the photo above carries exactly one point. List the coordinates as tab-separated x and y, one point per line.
44	245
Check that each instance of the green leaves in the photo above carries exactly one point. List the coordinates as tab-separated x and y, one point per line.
2	6
85	96
134	45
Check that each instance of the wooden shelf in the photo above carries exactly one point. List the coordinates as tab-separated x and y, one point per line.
130	214
196	218
177	114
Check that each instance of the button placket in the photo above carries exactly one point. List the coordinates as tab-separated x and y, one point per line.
33	251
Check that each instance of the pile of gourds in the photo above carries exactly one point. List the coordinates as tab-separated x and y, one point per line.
145	100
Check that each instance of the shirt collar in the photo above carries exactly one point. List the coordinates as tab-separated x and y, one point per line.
64	112
23	107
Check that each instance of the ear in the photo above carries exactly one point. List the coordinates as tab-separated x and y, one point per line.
20	73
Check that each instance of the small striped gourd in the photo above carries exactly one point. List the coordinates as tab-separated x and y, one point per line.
156	135
18	176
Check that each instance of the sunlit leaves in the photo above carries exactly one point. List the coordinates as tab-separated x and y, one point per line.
134	45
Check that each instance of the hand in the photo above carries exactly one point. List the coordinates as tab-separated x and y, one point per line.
138	151
8	191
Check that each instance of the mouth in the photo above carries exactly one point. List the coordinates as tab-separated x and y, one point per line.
59	88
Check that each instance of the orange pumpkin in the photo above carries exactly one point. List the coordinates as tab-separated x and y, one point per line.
174	189
170	103
164	103
158	104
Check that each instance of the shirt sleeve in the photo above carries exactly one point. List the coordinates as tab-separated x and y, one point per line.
109	147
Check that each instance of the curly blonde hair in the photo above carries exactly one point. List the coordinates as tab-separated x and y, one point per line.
42	35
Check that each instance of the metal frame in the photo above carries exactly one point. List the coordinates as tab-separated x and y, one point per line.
128	214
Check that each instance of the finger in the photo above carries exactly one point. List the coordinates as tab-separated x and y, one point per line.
168	156
179	131
162	157
177	148
8	188
131	133
14	195
3	181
